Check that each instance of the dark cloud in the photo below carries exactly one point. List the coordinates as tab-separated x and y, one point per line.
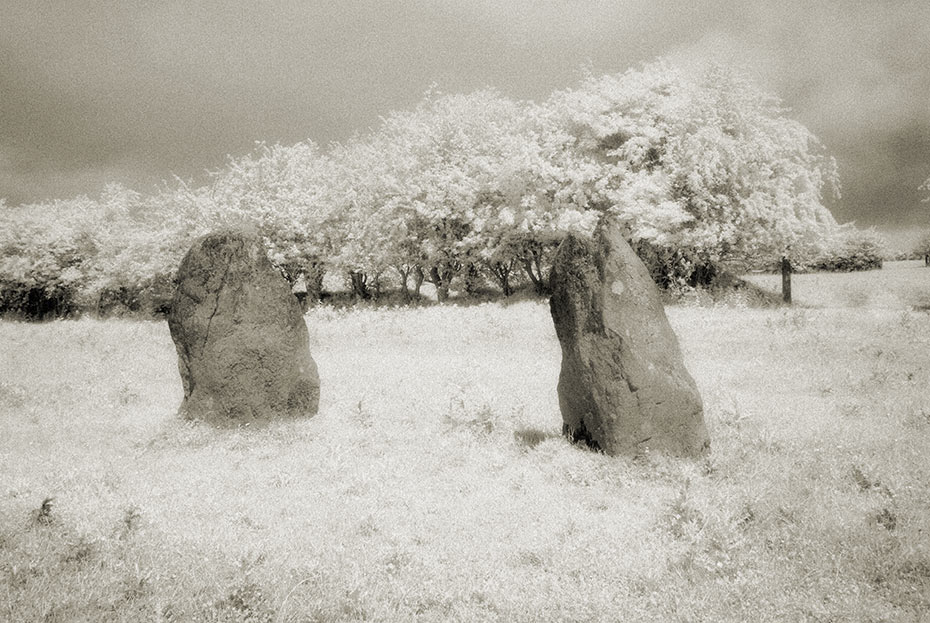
99	91
858	75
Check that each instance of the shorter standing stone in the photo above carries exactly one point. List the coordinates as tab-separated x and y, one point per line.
243	347
623	386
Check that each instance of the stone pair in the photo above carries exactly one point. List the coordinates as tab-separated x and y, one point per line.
243	347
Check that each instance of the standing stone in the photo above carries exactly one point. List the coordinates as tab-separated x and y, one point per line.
243	347
623	387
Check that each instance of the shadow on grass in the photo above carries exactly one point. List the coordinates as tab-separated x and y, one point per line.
531	437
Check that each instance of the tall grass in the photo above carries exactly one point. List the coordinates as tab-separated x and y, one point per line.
433	485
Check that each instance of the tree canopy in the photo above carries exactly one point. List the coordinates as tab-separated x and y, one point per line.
701	168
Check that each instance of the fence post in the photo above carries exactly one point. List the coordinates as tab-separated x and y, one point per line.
786	279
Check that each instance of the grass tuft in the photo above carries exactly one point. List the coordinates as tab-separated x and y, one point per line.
43	515
530	437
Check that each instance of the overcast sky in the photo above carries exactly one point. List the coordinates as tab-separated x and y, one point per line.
137	91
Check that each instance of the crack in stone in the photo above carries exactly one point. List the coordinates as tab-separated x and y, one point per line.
216	305
618	340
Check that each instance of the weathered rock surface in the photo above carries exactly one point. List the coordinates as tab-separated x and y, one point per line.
623	387
243	347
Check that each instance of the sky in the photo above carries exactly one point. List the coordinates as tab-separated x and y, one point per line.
141	91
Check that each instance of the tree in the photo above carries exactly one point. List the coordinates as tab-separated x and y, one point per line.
481	181
700	169
438	175
452	147
285	193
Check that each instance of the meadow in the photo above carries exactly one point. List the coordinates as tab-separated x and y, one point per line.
434	484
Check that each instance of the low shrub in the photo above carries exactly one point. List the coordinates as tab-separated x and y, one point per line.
724	289
851	250
42	271
150	297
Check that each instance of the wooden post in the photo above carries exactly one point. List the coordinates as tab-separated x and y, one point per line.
785	279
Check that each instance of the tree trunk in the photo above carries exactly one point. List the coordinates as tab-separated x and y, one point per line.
786	280
543	283
442	286
314	277
472	277
359	281
404	273
533	269
505	285
418	278
501	272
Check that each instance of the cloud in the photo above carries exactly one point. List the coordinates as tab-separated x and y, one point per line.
141	91
858	75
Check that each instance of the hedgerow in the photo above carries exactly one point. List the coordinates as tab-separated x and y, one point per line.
851	250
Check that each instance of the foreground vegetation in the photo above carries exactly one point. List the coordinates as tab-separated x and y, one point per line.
434	485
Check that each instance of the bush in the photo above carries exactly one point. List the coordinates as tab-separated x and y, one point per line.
851	250
724	288
152	297
42	269
31	300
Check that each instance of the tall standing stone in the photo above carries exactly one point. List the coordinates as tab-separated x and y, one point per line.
623	386
243	347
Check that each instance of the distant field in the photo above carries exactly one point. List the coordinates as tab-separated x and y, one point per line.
434	485
899	285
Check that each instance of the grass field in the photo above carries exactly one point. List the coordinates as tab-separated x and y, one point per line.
434	485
